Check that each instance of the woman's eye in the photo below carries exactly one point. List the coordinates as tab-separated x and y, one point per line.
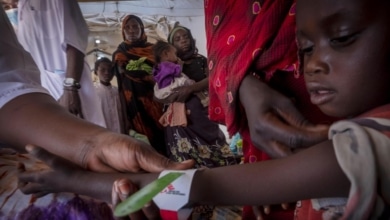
343	40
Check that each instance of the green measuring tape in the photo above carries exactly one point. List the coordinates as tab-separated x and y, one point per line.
139	199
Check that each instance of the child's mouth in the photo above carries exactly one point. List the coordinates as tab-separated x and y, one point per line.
321	96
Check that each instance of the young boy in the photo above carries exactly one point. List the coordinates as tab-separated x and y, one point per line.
345	55
109	96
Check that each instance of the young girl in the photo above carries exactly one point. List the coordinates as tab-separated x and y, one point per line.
109	96
345	51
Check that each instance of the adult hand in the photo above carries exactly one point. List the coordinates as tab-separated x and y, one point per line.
70	99
179	94
261	212
65	176
115	152
123	188
183	93
276	126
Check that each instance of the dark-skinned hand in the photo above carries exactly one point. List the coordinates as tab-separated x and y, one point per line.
70	99
276	126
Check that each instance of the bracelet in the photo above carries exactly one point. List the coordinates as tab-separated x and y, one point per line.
175	196
70	82
71	89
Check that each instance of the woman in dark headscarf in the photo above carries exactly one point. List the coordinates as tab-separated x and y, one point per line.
201	139
133	61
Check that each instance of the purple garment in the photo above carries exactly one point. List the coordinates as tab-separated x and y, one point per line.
165	73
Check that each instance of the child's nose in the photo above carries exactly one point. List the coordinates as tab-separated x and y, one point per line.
316	63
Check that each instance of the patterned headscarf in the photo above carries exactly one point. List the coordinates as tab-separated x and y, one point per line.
143	39
184	55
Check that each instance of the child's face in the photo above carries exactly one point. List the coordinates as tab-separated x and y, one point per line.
170	55
346	48
104	72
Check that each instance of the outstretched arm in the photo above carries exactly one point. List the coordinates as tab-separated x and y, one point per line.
37	119
312	173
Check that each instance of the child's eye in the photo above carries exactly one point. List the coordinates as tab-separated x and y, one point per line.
306	50
343	40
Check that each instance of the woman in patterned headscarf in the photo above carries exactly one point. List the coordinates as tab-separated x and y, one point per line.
133	61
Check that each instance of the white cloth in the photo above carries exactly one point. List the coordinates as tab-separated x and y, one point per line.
18	73
111	106
182	80
45	29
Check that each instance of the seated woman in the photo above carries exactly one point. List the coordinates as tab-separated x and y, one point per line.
135	84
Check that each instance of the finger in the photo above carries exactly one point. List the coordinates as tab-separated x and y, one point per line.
267	209
31	188
279	150
291	136
21	169
151	161
81	113
151	211
121	189
285	206
164	163
31	176
50	159
294	118
40	194
257	212
124	189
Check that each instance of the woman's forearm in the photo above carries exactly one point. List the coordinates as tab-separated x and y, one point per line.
36	118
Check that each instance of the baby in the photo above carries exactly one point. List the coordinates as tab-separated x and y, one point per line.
168	76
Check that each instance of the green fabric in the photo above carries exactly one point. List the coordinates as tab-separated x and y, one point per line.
139	65
139	136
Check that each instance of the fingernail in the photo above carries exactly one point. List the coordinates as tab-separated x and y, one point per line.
124	189
29	147
187	161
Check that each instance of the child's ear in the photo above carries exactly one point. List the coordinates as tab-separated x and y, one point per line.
164	53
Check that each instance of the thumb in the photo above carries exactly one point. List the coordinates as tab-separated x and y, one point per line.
155	162
187	164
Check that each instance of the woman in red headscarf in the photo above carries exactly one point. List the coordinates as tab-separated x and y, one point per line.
133	62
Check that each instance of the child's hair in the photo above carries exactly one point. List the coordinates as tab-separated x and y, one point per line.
158	48
100	61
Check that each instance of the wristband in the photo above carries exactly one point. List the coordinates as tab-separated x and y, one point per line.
175	196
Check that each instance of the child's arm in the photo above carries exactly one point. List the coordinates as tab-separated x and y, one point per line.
312	173
68	177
